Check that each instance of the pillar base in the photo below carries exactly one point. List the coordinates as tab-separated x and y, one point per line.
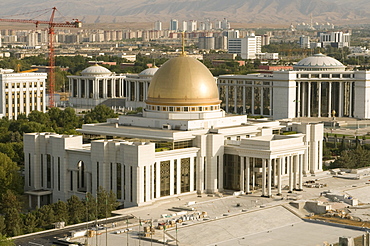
266	196
248	193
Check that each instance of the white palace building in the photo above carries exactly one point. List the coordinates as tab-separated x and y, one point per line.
318	86
182	143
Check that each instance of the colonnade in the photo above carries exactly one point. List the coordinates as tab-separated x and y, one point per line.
136	90
320	98
272	171
109	87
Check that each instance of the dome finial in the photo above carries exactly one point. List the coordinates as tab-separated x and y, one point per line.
183	44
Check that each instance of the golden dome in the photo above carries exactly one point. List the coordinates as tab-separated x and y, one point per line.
183	81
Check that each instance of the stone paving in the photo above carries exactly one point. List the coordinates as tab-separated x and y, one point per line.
240	220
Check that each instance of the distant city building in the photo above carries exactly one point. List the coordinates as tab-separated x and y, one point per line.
192	25
21	93
174	25
231	34
158	26
225	25
246	47
304	42
184	26
335	39
206	43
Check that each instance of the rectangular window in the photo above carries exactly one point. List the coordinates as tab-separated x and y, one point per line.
124	182
111	175
185	175
71	183
151	182
42	170
144	184
119	181
218	172
175	177
155	180
195	173
97	176
131	190
165	178
48	171
58	173
29	169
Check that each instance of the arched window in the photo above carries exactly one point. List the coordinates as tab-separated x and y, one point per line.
81	180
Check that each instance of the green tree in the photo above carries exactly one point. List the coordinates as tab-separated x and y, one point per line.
76	210
99	114
4	241
61	211
46	217
10	207
9	176
91	206
354	158
2	225
30	223
107	202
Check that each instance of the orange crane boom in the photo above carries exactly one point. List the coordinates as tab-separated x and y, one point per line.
75	24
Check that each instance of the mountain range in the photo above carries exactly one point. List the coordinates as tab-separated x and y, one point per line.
241	11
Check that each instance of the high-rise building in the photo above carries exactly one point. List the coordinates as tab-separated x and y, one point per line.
225	25
192	25
206	43
246	47
304	42
184	26
174	25
158	25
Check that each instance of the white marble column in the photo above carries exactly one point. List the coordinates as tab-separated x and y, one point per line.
340	101
350	100
192	180
290	171
319	102
253	173
247	175
172	174
299	100
295	170
269	173
300	172
178	176
242	174
264	172
279	169
329	99
309	100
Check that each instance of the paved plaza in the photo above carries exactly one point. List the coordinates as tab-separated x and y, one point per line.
241	220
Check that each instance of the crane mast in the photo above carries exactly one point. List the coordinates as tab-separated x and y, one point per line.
51	34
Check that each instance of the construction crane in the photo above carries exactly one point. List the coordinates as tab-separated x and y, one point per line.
51	25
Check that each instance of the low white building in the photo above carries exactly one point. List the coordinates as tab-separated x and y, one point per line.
182	143
21	93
